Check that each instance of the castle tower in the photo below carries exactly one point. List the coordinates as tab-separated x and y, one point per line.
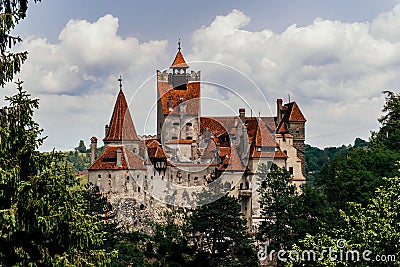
120	130
178	101
293	122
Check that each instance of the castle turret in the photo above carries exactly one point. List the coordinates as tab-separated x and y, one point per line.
93	149
121	130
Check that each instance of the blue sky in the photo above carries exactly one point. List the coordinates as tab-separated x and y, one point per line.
333	57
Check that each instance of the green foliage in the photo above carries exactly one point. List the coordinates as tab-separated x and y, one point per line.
11	12
220	235
375	228
353	176
80	160
316	158
388	135
81	147
278	202
170	239
42	214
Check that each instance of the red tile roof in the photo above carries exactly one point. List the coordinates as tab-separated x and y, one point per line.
179	61
108	160
179	141
191	96
235	164
121	126
217	125
294	113
263	137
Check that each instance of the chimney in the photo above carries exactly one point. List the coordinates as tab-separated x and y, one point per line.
106	130
278	109
194	151
93	149
119	157
242	113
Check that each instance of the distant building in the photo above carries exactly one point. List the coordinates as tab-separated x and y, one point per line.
192	157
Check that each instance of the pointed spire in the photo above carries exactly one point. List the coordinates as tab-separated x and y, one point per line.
179	61
121	126
120	82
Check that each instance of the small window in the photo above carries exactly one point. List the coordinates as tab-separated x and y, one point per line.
127	178
284	151
99	176
189	124
291	170
176	124
189	138
141	207
138	176
174	137
109	176
138	189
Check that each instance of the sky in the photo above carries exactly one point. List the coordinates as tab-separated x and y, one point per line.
334	58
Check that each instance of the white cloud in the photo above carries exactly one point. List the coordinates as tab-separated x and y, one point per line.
76	78
336	71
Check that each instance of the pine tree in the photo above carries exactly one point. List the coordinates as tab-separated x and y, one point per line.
388	135
42	213
278	199
221	235
11	12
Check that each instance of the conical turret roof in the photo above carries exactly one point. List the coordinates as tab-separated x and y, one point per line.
121	126
179	61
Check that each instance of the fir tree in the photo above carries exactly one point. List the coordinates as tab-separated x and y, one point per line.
42	213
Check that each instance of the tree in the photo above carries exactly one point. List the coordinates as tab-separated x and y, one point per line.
374	228
170	239
279	207
42	214
220	235
353	176
11	12
388	135
81	147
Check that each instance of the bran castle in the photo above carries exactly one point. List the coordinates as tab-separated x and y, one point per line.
192	160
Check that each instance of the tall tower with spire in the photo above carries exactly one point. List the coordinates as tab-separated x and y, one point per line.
178	101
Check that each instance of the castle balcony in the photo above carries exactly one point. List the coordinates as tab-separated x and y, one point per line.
245	192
